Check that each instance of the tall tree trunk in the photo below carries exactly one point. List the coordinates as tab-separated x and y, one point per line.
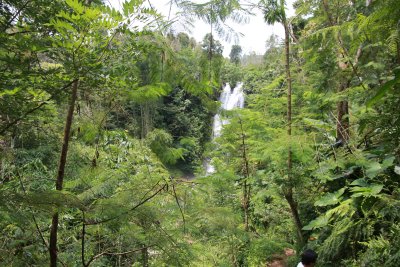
210	53
343	121
145	256
142	134
246	186
294	210
145	117
245	206
61	172
289	192
162	64
398	52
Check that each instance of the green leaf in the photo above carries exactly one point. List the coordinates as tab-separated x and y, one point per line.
373	170
376	189
92	14
368	191
317	124
387	162
53	198
10	92
383	89
330	198
397	170
344	209
360	182
319	222
76	6
150	92
62	26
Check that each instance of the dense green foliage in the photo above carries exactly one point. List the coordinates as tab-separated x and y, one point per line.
346	190
141	117
141	128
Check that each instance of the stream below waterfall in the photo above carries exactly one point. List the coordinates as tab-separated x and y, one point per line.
230	99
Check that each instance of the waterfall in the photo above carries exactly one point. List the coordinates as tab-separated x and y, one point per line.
229	100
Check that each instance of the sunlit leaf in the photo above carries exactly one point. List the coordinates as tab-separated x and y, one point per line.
330	198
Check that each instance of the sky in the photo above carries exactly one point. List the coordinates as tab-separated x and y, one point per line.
255	32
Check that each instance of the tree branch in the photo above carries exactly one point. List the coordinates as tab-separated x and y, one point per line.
33	216
113	254
180	208
344	52
9	125
83	240
15	15
143	201
61	171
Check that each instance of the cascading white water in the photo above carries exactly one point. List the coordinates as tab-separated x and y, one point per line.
229	100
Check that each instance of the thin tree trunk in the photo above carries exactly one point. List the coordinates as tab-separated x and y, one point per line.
145	116
295	213
246	186
294	210
162	66
61	172
289	91
210	54
343	121
145	256
289	194
143	135
342	124
398	52
246	205
83	240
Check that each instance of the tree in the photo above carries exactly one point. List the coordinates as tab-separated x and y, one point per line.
211	47
136	105
274	11
235	54
343	120
79	44
213	50
215	13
